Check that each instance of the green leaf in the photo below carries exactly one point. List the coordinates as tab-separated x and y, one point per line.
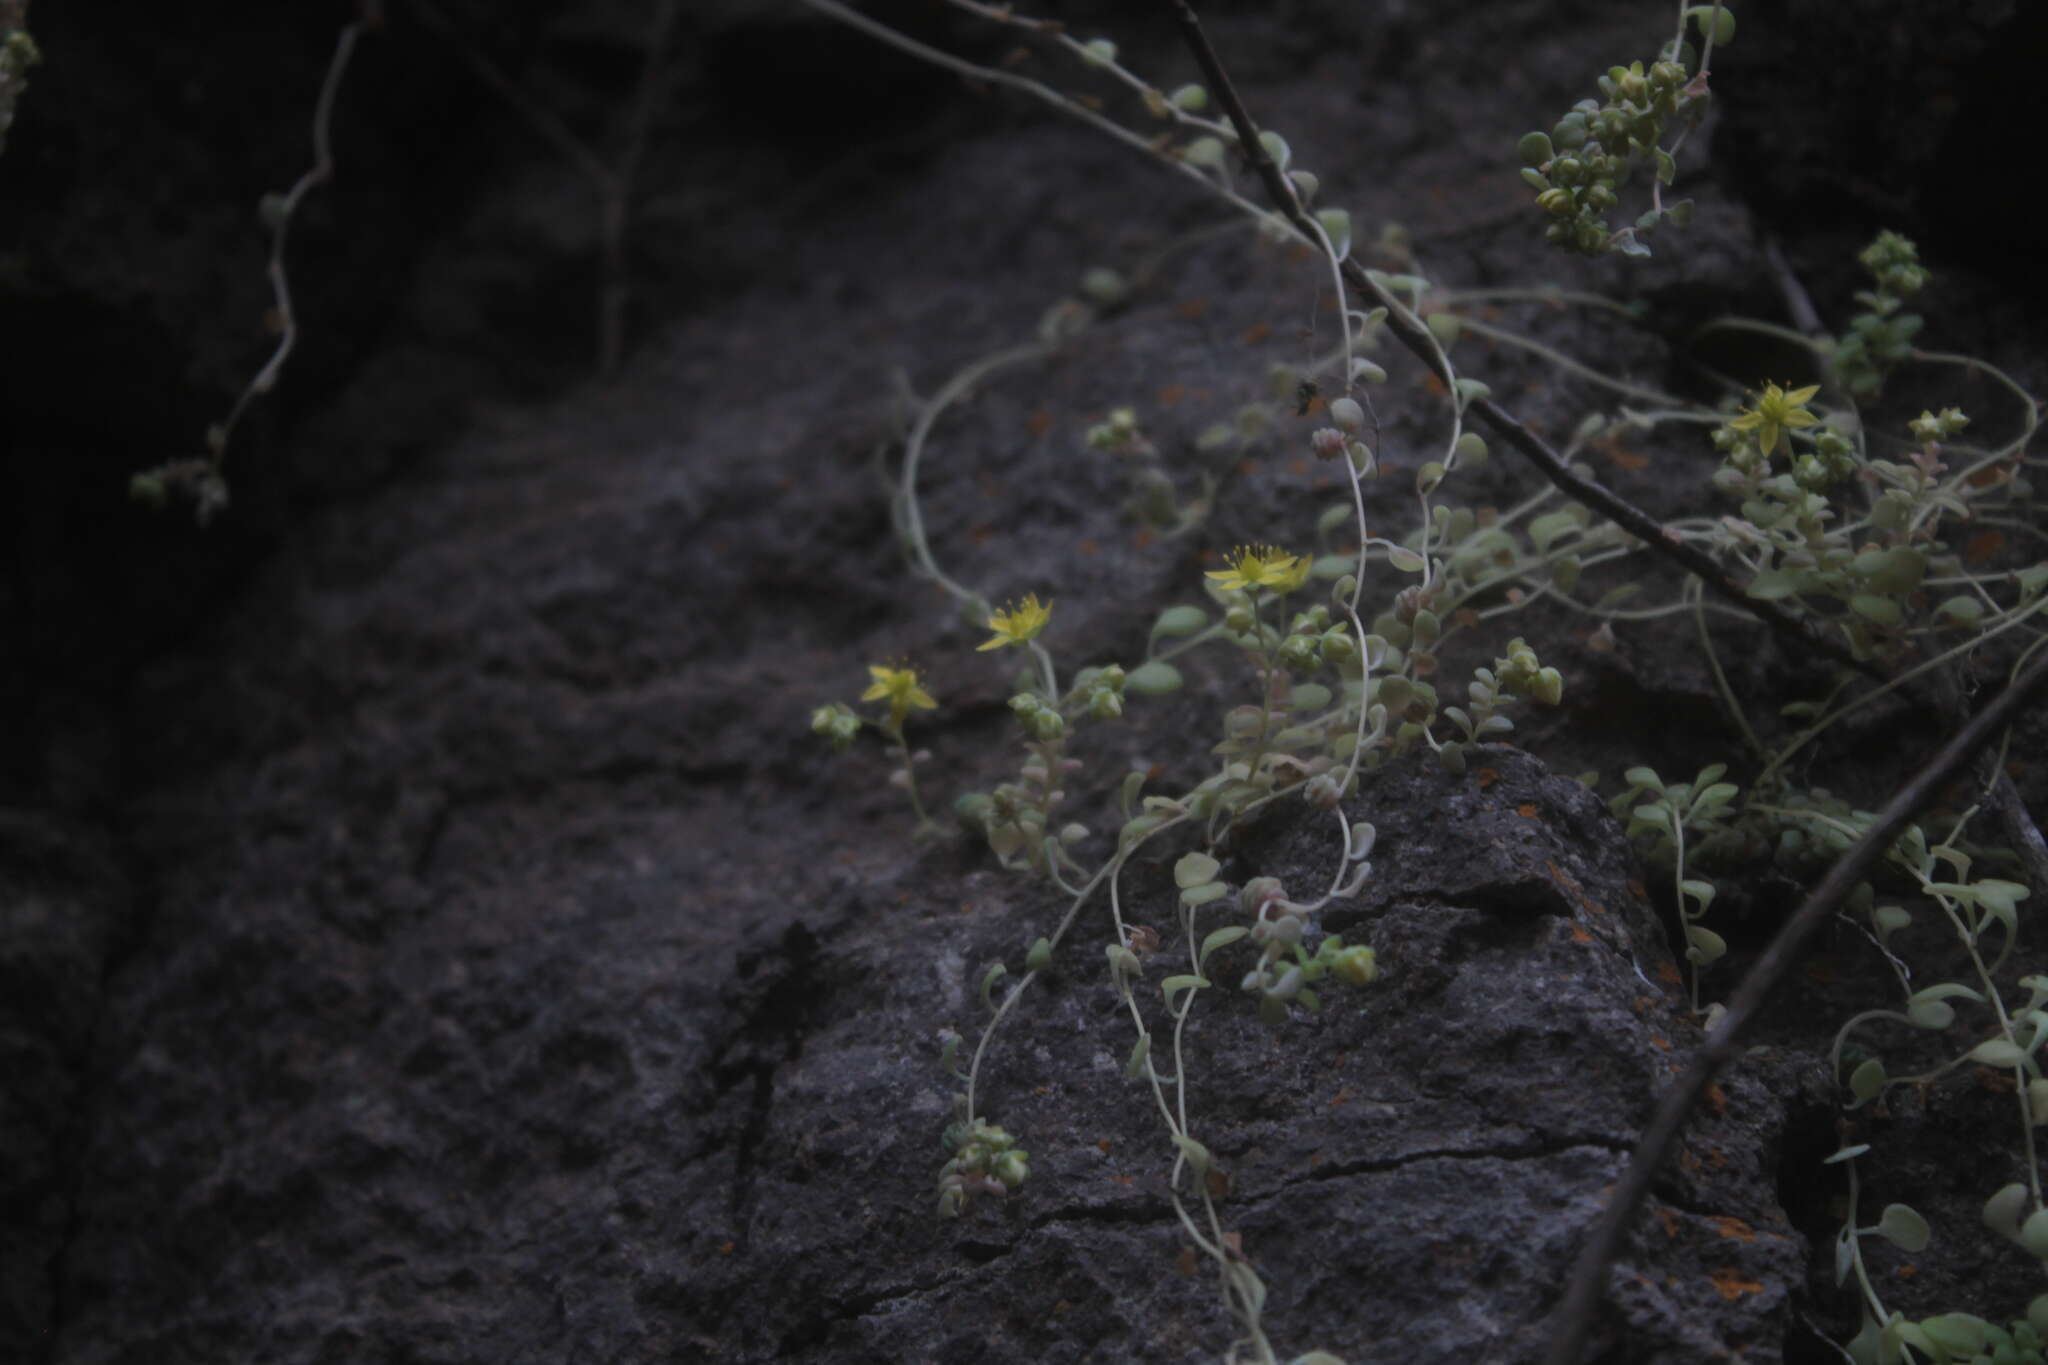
2034	1234
1719	16
1999	1052
1140	1050
1656	816
1931	1014
1903	1228
996	971
1700	891
1947	990
1276	147
1155	678
1846	1154
1866	1082
1182	620
1137	828
1193	869
1667	169
1957	1335
1336	223
1534	149
1546	530
1197	1155
1772	584
2002	1211
1706	945
1309	697
1040	956
1445	328
1202	895
1882	610
1220	938
1404	559
1174	985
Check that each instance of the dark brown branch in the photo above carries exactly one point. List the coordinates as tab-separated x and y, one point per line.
1582	1300
1531	447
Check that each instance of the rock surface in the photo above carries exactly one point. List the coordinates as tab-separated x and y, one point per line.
498	971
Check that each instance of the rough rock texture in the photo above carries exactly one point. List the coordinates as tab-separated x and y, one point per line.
508	976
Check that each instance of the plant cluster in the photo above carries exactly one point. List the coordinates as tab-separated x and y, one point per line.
1849	535
1579	168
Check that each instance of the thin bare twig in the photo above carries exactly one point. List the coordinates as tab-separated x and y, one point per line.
612	185
1582	1299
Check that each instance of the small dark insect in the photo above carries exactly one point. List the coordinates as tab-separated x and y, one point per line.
1305	393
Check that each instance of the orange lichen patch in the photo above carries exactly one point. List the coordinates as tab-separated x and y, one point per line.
1667	972
1218	1181
1103	1147
1247	467
1489	776
1669	1218
1983	546
1039	422
1297	465
1432	385
1906	1271
1528	811
1191	309
1087	547
1663	1043
1728	1282
1141	538
1734	1228
1639	1006
1062	1307
1716	1099
1124	1179
1185	1263
1579	935
980	534
1997	1082
1256	333
1637	889
1571	887
1990	476
1344	1096
1169	394
1042	1090
726	1248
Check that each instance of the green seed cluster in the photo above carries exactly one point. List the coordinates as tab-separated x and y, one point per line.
1880	338
1578	168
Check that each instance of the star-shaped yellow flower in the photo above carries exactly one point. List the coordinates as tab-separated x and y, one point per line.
1262	566
1020	623
899	687
1774	412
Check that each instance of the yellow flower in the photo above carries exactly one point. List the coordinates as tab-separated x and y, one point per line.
1020	623
1262	566
1775	411
897	686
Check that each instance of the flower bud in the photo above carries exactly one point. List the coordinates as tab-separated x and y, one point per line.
1356	966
